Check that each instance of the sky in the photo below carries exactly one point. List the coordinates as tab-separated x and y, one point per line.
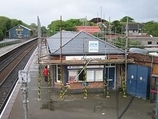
50	10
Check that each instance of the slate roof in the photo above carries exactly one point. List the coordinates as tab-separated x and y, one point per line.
21	26
54	41
133	26
77	43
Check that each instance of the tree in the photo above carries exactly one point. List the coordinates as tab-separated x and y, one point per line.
44	31
14	22
99	35
1	35
151	28
69	25
121	42
4	26
124	19
116	27
33	28
74	22
54	27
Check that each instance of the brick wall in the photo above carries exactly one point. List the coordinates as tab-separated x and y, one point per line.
155	69
145	60
116	56
57	57
78	85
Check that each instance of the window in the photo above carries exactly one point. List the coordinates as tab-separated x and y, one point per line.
72	75
81	75
19	32
90	75
157	43
99	75
93	73
58	73
149	42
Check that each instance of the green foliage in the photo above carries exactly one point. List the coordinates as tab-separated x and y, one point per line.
124	19
74	22
14	22
121	43
91	23
102	27
54	27
135	44
33	28
44	31
6	24
1	35
116	26
99	35
151	28
68	25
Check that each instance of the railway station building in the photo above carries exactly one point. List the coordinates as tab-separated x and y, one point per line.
79	58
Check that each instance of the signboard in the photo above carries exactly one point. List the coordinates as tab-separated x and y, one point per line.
93	46
24	76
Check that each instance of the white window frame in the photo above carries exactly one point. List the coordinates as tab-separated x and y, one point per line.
93	68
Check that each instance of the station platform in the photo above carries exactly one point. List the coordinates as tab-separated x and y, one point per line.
6	49
73	106
17	43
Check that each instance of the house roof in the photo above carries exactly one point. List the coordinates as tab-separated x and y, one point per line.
77	43
21	26
133	26
89	29
54	41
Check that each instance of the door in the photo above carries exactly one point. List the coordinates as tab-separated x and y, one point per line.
110	75
132	79
137	80
142	81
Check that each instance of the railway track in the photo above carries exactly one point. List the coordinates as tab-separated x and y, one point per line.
10	64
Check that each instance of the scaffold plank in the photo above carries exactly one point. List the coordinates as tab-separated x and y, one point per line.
80	62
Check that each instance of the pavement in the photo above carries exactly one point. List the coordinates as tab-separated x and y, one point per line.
74	106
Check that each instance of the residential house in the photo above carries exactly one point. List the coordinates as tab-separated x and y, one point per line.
134	29
147	41
89	29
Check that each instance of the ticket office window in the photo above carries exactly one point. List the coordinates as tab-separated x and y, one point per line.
91	75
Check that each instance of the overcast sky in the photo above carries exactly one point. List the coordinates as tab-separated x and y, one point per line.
50	10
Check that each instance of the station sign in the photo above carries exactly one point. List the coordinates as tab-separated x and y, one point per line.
93	46
24	76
